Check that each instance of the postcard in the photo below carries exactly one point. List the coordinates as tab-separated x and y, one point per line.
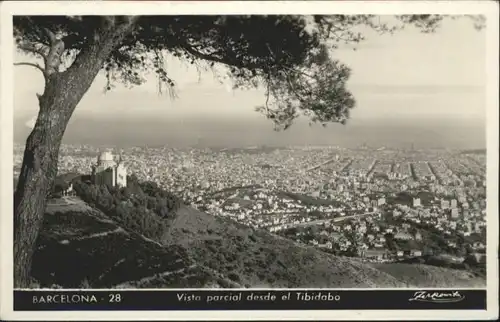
249	160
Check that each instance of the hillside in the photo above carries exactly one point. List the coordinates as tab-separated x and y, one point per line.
257	258
80	246
427	275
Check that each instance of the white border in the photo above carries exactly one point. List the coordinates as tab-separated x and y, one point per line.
9	8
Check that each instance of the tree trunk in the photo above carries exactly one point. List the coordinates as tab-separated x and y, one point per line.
37	176
39	168
63	91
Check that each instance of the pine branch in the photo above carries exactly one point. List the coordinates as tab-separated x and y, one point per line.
52	37
32	65
210	57
32	49
53	58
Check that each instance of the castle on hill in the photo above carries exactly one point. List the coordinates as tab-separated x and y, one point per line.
108	171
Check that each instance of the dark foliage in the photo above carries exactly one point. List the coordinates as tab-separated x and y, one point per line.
308	200
140	207
62	182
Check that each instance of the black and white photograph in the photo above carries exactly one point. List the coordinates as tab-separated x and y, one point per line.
197	156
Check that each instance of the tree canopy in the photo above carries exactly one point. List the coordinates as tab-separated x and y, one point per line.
289	56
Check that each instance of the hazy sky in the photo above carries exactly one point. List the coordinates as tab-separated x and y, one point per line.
406	76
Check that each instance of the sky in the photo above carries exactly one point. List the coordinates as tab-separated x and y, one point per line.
425	83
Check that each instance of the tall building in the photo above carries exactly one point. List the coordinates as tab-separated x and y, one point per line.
416	202
109	172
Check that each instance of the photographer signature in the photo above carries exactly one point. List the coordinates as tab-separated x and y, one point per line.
437	296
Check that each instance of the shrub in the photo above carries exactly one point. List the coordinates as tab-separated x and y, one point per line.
234	277
139	207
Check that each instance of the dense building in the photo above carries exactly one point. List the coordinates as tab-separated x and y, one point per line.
109	172
277	196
